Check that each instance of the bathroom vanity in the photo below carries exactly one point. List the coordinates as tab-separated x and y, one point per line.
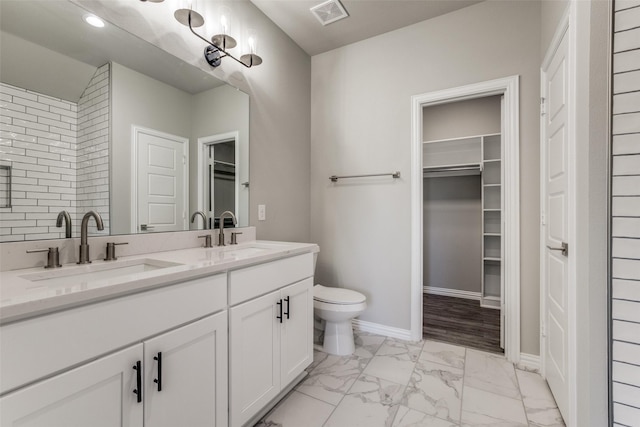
192	337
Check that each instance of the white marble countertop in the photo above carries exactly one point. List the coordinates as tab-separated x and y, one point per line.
31	292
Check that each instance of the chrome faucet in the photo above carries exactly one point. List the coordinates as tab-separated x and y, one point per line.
84	246
204	218
67	221
221	222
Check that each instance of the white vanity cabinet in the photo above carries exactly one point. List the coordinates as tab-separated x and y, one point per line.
185	375
72	373
97	394
270	336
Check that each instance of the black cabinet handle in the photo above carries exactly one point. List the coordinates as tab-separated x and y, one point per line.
159	379
138	390
280	306
287	312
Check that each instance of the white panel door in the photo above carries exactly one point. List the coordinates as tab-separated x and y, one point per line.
254	356
98	394
186	375
297	329
161	181
555	232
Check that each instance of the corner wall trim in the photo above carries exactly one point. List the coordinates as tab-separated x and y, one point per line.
529	362
456	293
376	328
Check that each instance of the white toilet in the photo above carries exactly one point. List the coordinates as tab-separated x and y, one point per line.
336	307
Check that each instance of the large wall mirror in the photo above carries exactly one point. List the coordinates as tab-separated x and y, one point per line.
98	119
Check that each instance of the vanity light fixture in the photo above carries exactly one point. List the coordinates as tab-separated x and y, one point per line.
219	45
93	20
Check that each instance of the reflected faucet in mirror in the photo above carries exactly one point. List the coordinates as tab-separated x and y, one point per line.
221	235
204	218
84	246
67	221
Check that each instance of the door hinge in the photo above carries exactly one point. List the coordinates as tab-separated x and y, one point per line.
543	219
184	160
543	330
543	106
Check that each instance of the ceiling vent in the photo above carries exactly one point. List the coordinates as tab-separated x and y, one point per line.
329	11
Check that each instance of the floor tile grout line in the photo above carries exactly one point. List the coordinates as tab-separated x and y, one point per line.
347	391
464	376
524	407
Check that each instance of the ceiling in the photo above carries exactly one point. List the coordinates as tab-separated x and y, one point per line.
58	52
367	18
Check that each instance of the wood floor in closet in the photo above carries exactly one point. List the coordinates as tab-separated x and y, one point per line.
462	322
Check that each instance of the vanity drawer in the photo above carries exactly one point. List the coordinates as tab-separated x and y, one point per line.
38	347
260	279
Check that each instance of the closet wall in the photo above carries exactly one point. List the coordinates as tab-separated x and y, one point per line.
452	215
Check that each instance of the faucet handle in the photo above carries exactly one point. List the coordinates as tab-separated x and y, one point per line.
207	240
53	257
234	237
111	250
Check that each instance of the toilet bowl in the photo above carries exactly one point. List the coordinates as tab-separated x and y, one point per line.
336	307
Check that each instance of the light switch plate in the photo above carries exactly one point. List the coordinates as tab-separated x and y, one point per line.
262	212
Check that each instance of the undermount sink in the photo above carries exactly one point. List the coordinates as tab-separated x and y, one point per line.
101	271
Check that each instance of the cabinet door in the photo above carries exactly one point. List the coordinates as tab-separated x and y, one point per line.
297	330
254	342
97	394
186	375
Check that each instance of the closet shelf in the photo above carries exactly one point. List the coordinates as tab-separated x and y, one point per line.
492	234
492	160
492	210
461	138
492	185
492	259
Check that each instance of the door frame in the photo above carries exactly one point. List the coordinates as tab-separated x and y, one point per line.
203	144
508	87
135	133
566	27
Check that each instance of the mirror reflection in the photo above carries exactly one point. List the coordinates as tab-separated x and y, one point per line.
112	124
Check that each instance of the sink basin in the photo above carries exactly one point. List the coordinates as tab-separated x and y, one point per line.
101	271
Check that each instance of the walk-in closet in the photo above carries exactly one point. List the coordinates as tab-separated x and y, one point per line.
462	223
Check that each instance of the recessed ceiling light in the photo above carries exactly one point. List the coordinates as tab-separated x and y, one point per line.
329	11
93	20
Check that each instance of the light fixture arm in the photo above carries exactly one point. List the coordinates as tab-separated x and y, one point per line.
218	49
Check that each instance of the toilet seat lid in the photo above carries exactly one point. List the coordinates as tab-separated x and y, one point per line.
337	295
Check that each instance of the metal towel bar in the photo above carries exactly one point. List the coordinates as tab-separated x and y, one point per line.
335	178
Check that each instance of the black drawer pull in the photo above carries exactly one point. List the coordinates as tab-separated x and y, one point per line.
280	309
138	390
287	312
159	379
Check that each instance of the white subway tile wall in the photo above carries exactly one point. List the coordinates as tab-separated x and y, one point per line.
52	145
92	152
625	231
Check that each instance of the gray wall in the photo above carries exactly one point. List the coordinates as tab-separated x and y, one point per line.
452	220
141	101
480	116
361	123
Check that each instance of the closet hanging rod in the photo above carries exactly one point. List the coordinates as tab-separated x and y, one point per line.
335	178
477	167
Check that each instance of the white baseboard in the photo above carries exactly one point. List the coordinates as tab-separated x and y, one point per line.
452	293
529	362
376	328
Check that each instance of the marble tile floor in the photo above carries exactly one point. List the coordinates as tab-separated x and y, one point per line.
393	383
